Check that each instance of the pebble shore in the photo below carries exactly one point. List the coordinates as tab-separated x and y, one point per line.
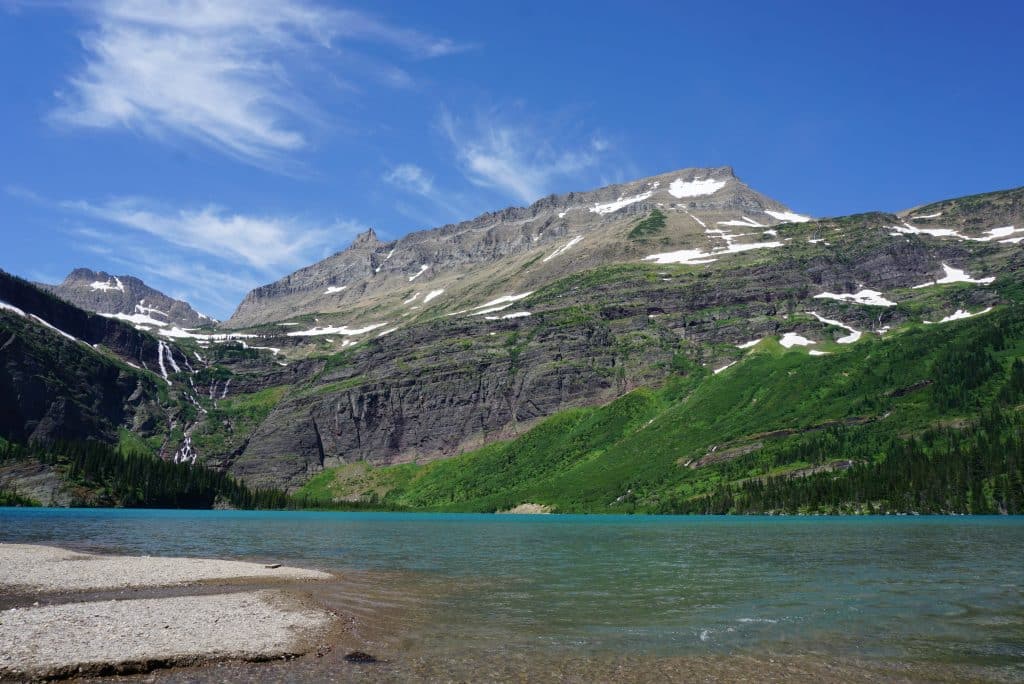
52	634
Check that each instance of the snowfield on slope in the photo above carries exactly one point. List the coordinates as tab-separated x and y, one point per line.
106	286
955	275
792	339
698	187
991	234
563	249
788	216
865	297
846	339
611	207
336	330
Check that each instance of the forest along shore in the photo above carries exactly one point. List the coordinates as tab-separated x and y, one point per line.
64	613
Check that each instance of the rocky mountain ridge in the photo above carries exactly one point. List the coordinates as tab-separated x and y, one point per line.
458	261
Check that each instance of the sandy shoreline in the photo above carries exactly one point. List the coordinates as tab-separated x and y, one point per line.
74	637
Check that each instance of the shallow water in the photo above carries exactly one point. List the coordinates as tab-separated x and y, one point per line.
904	592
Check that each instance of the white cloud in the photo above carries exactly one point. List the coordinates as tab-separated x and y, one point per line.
516	159
411	178
266	243
223	73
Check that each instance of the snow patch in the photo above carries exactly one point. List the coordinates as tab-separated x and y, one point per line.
517	314
149	310
694	188
846	339
610	207
339	330
748	345
991	234
177	332
390	254
498	304
689	257
106	286
747	222
137	319
955	275
925	217
792	339
412	299
423	269
865	297
564	248
719	370
433	294
818	352
694	257
788	216
961	314
332	289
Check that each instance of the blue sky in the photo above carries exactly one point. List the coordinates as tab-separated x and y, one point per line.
209	147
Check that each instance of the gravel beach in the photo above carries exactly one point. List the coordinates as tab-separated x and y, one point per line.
86	636
25	567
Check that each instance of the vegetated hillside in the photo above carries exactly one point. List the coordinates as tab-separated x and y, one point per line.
68	374
927	420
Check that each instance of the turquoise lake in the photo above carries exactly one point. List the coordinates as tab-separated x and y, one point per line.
913	591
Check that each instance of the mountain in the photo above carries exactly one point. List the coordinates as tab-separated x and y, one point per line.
535	350
517	249
67	374
127	298
453	376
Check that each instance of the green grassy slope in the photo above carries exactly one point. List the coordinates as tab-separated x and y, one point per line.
675	447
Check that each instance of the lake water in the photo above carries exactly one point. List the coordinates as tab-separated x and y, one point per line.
915	597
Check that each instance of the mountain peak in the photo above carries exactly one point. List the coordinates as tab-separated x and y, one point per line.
125	297
367	239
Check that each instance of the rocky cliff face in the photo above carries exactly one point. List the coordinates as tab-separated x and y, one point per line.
127	298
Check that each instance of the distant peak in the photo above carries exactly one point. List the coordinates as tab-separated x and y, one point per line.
85	274
367	238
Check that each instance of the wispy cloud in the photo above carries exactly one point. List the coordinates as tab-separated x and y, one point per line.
414	180
518	160
223	73
411	178
266	243
213	254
